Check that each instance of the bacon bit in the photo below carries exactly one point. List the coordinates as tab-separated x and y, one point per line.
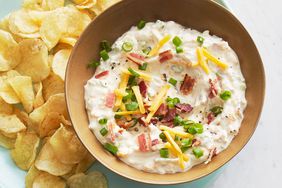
212	153
136	58
110	100
210	117
165	56
184	108
149	140
142	121
162	110
142	143
155	142
187	85
196	142
112	132
120	131
154	120
104	73
213	90
143	88
170	115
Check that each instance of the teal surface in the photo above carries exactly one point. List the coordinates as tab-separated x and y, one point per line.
13	177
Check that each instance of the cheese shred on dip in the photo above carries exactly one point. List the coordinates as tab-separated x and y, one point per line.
165	98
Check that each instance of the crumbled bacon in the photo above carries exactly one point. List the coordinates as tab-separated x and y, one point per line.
112	132
143	88
154	120
170	115
210	117
184	108
155	142
142	121
162	110
101	74
213	90
187	85
110	100
165	56
136	58
142	143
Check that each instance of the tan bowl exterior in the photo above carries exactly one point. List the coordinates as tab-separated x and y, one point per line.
196	14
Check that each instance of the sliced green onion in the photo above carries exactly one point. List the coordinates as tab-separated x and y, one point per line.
143	67
198	152
176	138
141	24
129	96
200	40
118	116
111	148
179	49
94	64
133	72
103	131
164	152
105	45
172	81
103	121
131	106
216	110
184	149
147	50
176	100
196	128
225	95
177	120
186	143
171	102
187	123
104	55
132	81
162	136
177	41
127	46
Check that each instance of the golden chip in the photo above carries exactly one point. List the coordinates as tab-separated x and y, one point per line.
7	93
32	173
38	101
52	85
5	108
52	4
22	85
32	4
60	62
66	146
4	23
25	149
7	142
93	179
68	40
34	59
85	163
45	180
78	2
24	118
10	125
86	5
48	162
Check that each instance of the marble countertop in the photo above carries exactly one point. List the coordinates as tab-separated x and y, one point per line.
259	164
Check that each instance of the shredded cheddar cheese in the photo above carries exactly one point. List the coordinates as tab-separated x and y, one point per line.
214	59
175	132
181	161
139	99
142	74
172	142
119	92
127	112
174	152
161	43
122	107
122	87
202	61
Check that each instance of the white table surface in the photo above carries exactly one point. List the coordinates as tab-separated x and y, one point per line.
259	164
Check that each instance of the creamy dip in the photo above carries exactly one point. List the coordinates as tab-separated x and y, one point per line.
201	108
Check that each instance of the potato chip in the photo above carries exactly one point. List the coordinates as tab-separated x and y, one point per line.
32	173
66	146
45	180
25	150
56	103
7	93
48	162
52	85
52	4
60	62
7	142
22	85
93	179
68	40
34	59
29	35
32	4
9	51
24	118
78	2
85	163
38	16
5	108
39	100
71	173
10	125
4	23
86	5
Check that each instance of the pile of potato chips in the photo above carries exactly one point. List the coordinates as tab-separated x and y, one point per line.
35	44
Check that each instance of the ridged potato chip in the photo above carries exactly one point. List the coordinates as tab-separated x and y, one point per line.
22	85
39	100
85	163
45	180
48	162
34	59
66	146
52	85
10	55
56	103
5	108
10	125
60	62
25	149
52	4
7	142
93	179
32	173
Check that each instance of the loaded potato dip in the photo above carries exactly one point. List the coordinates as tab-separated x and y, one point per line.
165	98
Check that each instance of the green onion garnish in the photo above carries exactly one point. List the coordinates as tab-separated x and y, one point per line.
129	95
200	40
171	102
172	81
127	46
177	41
147	50
103	121
196	128
93	64
179	49
177	120
131	106
216	110
186	142
133	72
176	138
118	116
164	152
225	95
105	45
111	148
143	67
163	137
198	152
141	24
104	55
132	81
103	131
